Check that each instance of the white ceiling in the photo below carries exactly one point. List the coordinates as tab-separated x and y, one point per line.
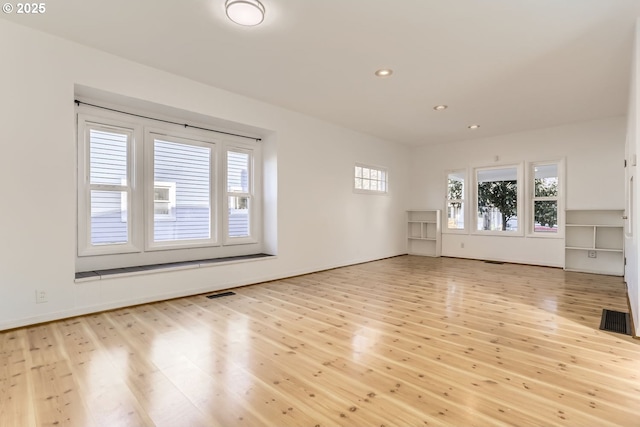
508	65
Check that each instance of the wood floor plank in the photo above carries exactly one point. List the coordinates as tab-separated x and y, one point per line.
405	341
16	392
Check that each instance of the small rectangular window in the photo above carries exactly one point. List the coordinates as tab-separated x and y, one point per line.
370	179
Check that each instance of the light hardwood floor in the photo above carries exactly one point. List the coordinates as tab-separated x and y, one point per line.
407	341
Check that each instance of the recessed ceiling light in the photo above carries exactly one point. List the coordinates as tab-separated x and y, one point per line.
473	126
440	107
384	72
245	12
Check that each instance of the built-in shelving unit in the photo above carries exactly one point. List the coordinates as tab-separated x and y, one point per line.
424	232
594	241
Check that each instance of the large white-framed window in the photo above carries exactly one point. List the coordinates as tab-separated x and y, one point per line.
370	179
455	201
180	187
546	202
152	193
498	201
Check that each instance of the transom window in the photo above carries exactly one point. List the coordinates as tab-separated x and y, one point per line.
370	179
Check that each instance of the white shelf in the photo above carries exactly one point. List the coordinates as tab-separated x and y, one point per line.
423	232
595	232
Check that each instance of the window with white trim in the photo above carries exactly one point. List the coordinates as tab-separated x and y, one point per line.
184	165
148	191
498	200
370	179
455	200
238	195
545	197
105	175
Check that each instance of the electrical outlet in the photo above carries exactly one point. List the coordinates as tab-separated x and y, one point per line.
41	296
593	254
462	245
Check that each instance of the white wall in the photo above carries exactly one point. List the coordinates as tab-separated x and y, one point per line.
593	152
320	224
633	213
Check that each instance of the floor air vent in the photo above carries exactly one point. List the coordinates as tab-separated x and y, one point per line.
615	321
221	294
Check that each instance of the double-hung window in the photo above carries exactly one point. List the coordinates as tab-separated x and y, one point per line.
105	174
147	192
455	200
546	198
239	195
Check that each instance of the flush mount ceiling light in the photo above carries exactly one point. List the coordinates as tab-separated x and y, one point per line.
384	72
245	12
473	126
440	107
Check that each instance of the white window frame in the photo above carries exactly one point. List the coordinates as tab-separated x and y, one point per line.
149	179
531	199
140	249
473	213
254	209
378	169
464	200
86	123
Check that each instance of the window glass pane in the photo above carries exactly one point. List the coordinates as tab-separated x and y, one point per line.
455	186
365	184
497	199
365	173
186	167
108	218
545	216
358	183
237	172
373	186
455	216
546	180
108	157
239	217
358	172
